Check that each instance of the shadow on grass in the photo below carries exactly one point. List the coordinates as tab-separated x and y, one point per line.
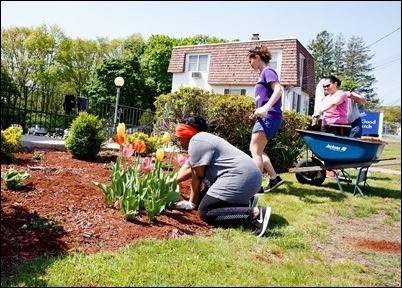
330	188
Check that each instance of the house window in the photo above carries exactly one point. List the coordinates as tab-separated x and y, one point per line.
296	102
197	63
274	63
234	92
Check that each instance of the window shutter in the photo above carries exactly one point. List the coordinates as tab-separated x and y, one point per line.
243	92
226	92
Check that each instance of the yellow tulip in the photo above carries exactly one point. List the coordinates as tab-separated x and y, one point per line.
160	153
166	137
121	129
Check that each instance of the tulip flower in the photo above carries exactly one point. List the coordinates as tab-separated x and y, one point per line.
121	129
146	164
146	178
160	153
166	137
139	146
128	150
121	139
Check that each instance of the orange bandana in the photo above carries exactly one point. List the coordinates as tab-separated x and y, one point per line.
185	131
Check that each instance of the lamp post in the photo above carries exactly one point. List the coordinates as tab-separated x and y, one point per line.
119	81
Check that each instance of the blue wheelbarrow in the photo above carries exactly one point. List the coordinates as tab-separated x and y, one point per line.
330	152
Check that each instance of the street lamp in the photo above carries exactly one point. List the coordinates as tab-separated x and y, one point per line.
119	81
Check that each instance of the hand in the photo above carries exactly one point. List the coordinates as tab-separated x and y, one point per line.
184	205
262	111
316	115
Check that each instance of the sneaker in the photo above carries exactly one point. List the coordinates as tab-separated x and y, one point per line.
274	184
261	191
253	201
261	224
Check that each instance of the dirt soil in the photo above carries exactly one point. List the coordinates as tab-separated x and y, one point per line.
61	190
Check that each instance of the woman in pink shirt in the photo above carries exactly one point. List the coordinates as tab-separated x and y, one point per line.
333	108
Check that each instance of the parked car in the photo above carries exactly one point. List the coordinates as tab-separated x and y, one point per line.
66	133
131	130
56	132
144	129
37	129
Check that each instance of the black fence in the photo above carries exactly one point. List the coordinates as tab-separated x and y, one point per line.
56	112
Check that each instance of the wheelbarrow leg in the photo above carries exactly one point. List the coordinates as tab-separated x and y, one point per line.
345	177
338	181
361	177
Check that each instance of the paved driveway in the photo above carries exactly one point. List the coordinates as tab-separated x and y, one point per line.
42	142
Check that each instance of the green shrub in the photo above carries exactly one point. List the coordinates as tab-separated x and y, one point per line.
10	143
172	107
225	116
86	137
146	118
151	142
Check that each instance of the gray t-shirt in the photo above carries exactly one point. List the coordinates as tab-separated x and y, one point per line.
233	175
353	111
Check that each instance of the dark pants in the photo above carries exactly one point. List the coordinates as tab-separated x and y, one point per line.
340	131
221	213
357	129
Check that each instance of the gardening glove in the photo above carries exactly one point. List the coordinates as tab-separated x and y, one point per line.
262	111
184	205
316	115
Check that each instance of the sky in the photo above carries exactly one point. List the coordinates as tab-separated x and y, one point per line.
377	23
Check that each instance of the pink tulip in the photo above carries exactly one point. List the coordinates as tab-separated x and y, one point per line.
128	150
146	164
175	233
181	159
117	204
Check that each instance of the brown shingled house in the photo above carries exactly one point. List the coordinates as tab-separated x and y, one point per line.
224	69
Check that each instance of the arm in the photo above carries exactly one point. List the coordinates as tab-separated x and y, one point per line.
198	174
359	99
337	100
184	173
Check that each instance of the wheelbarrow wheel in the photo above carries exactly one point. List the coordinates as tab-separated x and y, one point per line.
310	177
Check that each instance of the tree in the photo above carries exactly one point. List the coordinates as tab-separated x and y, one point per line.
392	113
9	91
76	61
323	51
154	66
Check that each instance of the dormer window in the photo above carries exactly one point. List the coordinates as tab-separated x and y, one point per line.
198	62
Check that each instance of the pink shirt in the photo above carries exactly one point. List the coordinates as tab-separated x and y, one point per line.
337	114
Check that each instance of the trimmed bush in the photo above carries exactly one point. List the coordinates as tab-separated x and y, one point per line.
86	137
10	143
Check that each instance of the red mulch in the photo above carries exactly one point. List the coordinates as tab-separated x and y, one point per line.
60	189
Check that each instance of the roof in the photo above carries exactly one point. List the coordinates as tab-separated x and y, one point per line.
229	62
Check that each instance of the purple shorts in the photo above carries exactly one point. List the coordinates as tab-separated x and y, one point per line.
272	126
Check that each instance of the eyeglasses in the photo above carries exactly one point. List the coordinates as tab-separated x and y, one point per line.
326	86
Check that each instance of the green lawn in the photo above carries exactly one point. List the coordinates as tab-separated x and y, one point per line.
294	251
